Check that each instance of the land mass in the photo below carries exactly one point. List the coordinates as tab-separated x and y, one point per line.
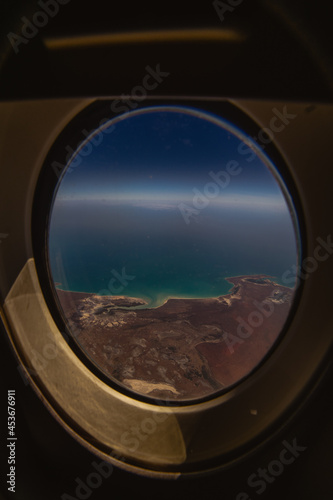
186	348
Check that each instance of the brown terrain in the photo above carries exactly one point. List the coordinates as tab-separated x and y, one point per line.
186	348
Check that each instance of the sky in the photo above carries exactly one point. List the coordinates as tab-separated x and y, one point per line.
166	189
164	157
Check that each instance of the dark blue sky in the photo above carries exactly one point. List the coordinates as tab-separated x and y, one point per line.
126	204
163	157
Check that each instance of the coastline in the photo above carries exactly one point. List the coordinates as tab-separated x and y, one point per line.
185	348
233	280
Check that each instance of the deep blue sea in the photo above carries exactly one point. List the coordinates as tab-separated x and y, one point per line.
153	254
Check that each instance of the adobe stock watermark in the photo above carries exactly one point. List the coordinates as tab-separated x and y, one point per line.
264	310
223	8
94	480
117	283
30	28
201	199
310	264
93	138
139	433
131	441
262	477
278	122
211	190
41	359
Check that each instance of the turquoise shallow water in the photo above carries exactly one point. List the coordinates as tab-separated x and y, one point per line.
154	255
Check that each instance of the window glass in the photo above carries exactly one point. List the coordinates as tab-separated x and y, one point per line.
172	247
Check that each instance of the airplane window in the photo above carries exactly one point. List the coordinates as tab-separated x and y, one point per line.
172	245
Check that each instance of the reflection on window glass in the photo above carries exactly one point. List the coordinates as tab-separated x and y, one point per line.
172	245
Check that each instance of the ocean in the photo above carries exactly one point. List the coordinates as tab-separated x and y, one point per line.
154	254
